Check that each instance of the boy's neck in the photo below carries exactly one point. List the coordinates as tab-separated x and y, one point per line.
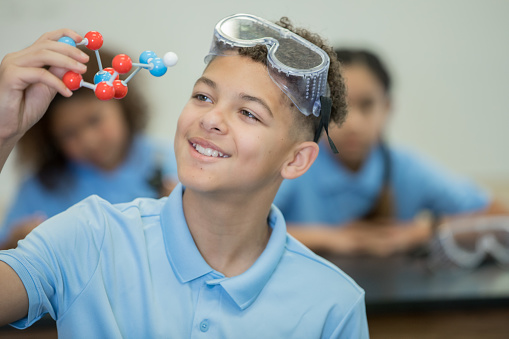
230	232
353	164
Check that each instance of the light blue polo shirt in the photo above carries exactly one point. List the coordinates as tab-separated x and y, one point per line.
127	182
329	193
133	271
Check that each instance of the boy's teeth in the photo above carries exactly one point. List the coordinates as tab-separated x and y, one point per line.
208	151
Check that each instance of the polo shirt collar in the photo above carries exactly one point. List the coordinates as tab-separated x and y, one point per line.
188	263
184	257
245	288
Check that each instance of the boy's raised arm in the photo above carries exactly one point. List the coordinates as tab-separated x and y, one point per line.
29	79
13	296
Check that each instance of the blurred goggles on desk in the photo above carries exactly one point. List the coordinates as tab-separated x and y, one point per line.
468	242
298	67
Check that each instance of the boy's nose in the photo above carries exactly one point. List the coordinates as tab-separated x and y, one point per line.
354	120
90	138
214	121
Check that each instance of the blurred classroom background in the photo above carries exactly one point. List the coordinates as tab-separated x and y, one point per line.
448	60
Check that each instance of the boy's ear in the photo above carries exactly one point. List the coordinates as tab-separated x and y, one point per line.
304	155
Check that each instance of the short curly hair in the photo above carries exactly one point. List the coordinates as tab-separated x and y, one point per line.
334	79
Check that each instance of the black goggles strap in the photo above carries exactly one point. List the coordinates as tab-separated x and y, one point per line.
324	121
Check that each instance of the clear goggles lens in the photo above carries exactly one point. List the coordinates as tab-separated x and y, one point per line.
466	243
298	67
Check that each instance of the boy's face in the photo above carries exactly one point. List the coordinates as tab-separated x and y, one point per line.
368	111
91	131
233	134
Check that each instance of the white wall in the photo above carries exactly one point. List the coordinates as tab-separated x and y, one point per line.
449	59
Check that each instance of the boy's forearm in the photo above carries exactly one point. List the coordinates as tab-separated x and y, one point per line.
316	238
363	237
495	208
6	147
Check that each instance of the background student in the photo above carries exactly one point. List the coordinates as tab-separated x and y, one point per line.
368	198
84	146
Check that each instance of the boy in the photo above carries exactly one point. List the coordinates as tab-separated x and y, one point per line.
214	256
368	200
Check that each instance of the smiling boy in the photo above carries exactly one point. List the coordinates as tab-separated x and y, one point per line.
214	257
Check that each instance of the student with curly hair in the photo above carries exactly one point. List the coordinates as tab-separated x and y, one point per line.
84	146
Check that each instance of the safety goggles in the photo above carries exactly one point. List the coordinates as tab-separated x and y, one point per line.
467	243
298	67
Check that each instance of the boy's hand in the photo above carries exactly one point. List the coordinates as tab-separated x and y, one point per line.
30	78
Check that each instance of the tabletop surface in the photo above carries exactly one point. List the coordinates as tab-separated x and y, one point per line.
407	282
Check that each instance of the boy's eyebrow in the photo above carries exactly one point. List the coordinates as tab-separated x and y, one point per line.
243	96
257	100
207	82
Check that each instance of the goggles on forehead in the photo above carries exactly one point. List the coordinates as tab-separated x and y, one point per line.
298	67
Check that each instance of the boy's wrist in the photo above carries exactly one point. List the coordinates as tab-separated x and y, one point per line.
6	147
10	134
8	142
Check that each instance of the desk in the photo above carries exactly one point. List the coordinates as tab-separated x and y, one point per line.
405	299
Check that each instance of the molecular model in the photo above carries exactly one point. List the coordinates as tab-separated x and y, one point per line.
107	84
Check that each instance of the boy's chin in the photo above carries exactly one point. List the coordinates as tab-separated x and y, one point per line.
103	163
199	182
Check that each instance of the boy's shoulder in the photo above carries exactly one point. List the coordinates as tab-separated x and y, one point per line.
319	272
406	156
138	209
411	165
145	206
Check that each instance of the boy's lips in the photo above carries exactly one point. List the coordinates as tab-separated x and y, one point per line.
207	148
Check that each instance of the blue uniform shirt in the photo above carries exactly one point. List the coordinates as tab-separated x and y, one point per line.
127	182
133	271
329	193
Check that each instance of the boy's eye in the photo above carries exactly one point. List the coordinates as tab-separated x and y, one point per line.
249	115
67	134
94	120
202	97
366	105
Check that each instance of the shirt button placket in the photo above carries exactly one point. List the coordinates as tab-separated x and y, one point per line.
204	325
205	322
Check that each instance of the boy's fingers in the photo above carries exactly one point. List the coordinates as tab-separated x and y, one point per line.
58	71
55	35
40	54
46	57
70	51
40	75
